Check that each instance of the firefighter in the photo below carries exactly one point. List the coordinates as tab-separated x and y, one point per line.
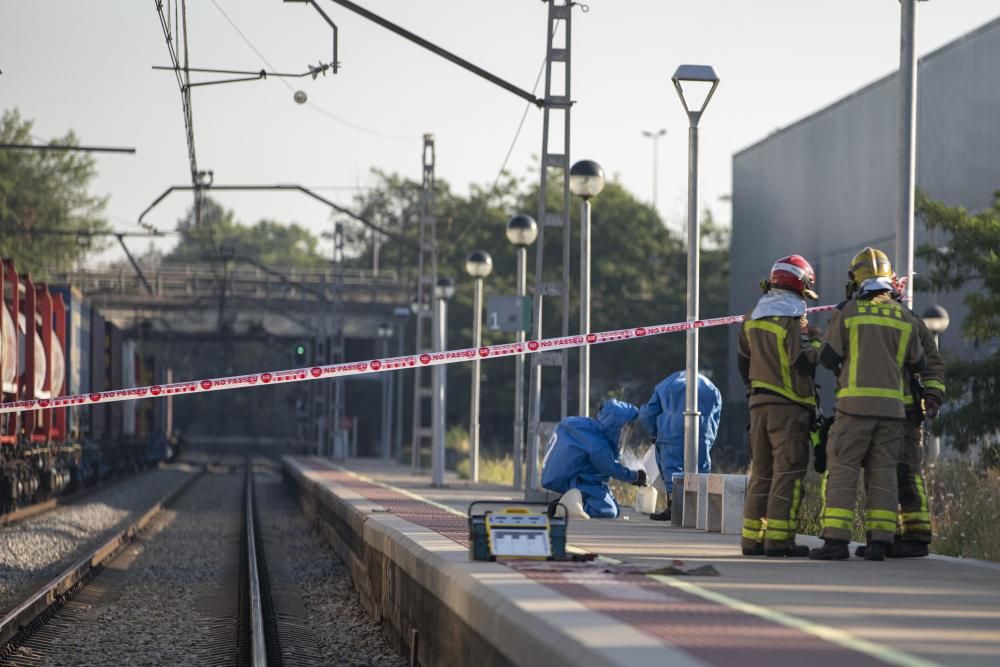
870	344
923	396
777	358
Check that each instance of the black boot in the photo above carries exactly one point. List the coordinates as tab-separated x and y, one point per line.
756	550
908	549
662	516
831	550
788	551
876	551
861	551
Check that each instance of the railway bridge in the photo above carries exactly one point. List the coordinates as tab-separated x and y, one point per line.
204	300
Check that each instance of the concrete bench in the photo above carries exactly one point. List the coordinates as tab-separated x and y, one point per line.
695	500
725	497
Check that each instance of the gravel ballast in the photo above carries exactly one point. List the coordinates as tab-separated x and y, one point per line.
35	550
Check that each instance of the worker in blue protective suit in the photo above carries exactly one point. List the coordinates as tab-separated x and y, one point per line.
663	417
583	455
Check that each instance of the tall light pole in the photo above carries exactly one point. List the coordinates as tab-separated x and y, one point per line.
384	334
655	136
586	179
700	82
402	313
907	142
522	230
478	264
937	320
444	289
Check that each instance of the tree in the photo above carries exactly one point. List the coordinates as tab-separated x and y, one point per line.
638	277
970	259
271	243
48	218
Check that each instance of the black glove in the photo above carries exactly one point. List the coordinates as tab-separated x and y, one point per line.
640	478
931	406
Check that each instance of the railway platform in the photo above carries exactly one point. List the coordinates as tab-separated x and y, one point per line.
407	546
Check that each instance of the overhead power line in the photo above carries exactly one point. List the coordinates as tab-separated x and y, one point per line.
57	147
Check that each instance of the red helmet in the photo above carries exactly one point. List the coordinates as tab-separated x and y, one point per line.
795	274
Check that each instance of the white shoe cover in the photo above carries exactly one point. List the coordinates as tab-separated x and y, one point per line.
573	500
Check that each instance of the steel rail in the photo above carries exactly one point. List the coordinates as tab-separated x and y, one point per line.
258	645
21	622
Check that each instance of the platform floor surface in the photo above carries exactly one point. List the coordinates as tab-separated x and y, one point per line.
936	610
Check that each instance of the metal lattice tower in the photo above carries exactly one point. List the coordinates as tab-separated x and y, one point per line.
337	338
426	279
555	158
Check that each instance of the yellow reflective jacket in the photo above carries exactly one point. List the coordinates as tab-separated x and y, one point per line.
932	375
776	364
871	344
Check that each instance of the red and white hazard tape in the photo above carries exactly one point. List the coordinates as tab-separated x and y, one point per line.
370	366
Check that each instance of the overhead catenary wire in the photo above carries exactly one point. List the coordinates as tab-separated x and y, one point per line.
312	105
510	151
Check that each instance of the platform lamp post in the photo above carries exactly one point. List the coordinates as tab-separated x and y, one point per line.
478	264
586	180
384	334
444	289
522	230
937	321
697	82
401	313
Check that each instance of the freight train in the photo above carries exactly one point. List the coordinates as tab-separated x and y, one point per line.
55	342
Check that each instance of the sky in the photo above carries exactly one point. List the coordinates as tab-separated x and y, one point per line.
86	66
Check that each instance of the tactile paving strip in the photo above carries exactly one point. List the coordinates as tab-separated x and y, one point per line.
711	632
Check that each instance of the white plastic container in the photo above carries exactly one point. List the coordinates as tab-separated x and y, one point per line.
645	500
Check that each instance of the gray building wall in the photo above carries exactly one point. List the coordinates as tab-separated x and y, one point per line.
825	187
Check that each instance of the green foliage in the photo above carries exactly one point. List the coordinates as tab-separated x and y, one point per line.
491	470
965	504
48	218
969	259
220	235
638	277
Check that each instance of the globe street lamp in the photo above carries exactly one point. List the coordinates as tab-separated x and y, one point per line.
384	334
522	230
937	321
478	264
655	136
699	82
444	289
586	179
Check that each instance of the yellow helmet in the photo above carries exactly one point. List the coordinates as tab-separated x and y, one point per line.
869	263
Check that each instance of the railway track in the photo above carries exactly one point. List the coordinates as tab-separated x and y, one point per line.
230	609
18	625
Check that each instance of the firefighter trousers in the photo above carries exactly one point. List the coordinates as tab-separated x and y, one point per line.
914	514
874	443
779	447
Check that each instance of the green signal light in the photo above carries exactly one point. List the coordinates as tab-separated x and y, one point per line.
300	349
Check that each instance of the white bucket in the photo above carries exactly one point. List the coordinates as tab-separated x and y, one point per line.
645	500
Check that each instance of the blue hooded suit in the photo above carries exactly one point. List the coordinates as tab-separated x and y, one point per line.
663	417
583	454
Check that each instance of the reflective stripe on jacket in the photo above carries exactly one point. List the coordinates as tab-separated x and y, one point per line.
870	344
775	363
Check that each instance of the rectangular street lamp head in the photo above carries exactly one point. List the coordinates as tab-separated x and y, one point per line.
698	81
